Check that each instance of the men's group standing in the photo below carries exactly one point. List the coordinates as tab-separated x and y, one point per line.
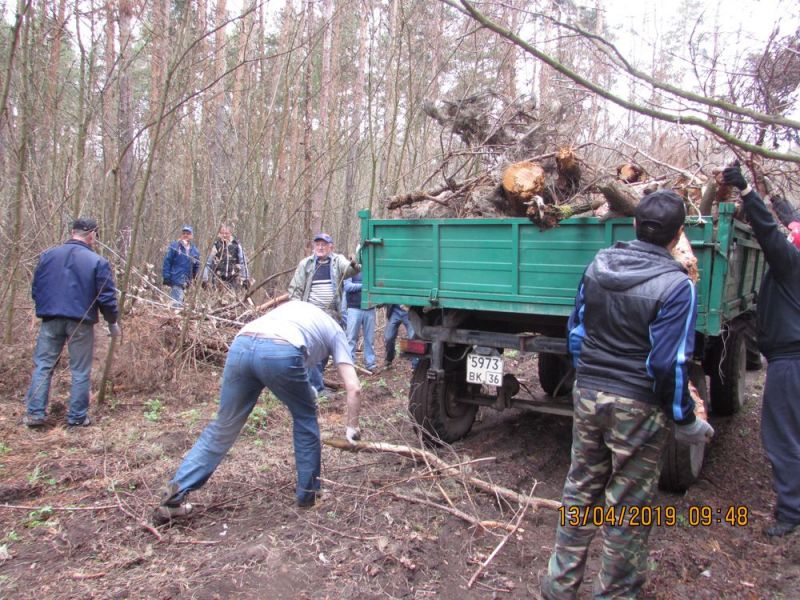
225	268
630	336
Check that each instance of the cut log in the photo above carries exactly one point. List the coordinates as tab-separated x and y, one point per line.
521	182
621	199
699	404
547	216
405	199
272	303
682	252
709	195
569	171
630	173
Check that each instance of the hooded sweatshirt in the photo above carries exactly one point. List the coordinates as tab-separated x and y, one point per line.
779	296
631	332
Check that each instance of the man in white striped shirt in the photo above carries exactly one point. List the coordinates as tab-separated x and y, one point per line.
318	280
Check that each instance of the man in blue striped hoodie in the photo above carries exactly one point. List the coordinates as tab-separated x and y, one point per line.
631	335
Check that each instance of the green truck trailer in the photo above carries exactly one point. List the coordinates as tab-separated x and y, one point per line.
479	288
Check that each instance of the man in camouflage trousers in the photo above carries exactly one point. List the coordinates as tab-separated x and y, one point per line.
631	334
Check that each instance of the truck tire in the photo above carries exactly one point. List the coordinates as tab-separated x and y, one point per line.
555	370
681	463
727	373
447	420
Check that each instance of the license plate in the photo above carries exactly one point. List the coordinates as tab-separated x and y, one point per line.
487	370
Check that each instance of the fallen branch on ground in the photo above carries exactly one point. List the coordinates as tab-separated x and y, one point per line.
419	454
499	546
454	511
64	508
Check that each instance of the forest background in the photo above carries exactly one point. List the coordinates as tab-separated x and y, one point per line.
282	118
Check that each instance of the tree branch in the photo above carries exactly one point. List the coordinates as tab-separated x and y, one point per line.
632	106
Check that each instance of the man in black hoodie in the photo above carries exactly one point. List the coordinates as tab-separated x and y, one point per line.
779	341
631	335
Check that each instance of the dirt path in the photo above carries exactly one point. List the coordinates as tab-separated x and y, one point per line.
247	540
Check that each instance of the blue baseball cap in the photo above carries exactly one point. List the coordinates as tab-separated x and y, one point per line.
323	236
187	228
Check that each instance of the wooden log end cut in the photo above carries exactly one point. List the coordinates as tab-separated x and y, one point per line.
521	182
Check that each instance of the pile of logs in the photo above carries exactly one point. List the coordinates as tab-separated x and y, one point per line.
557	186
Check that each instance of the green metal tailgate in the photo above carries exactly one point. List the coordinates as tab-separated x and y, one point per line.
510	265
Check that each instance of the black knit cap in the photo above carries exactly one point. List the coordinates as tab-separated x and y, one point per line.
84	224
659	216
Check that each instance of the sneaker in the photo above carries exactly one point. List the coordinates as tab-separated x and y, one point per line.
84	423
387	364
780	528
371	367
166	514
33	422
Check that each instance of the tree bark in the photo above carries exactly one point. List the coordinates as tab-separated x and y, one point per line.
125	174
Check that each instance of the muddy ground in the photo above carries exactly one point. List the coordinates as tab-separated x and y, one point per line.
75	505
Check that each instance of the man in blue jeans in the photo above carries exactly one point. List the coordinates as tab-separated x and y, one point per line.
359	319
181	265
396	315
70	285
274	351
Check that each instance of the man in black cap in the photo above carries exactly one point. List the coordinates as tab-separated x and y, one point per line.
779	341
70	284
630	335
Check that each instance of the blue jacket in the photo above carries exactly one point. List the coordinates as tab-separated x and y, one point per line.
180	267
72	281
631	332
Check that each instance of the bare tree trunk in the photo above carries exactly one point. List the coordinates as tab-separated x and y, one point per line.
351	171
22	7
125	175
86	82
311	216
22	173
508	62
391	107
108	120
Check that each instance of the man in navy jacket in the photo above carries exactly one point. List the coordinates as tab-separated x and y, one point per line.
71	285
631	335
181	265
779	341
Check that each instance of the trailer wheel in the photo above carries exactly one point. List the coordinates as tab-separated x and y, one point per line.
445	420
727	373
556	375
681	463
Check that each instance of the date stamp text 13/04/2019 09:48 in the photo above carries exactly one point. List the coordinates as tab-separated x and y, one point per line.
646	516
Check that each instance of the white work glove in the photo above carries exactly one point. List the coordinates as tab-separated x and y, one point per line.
353	434
699	432
114	330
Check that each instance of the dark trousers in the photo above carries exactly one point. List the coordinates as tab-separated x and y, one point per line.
780	434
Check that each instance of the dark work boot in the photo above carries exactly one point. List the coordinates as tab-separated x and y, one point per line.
33	422
780	529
